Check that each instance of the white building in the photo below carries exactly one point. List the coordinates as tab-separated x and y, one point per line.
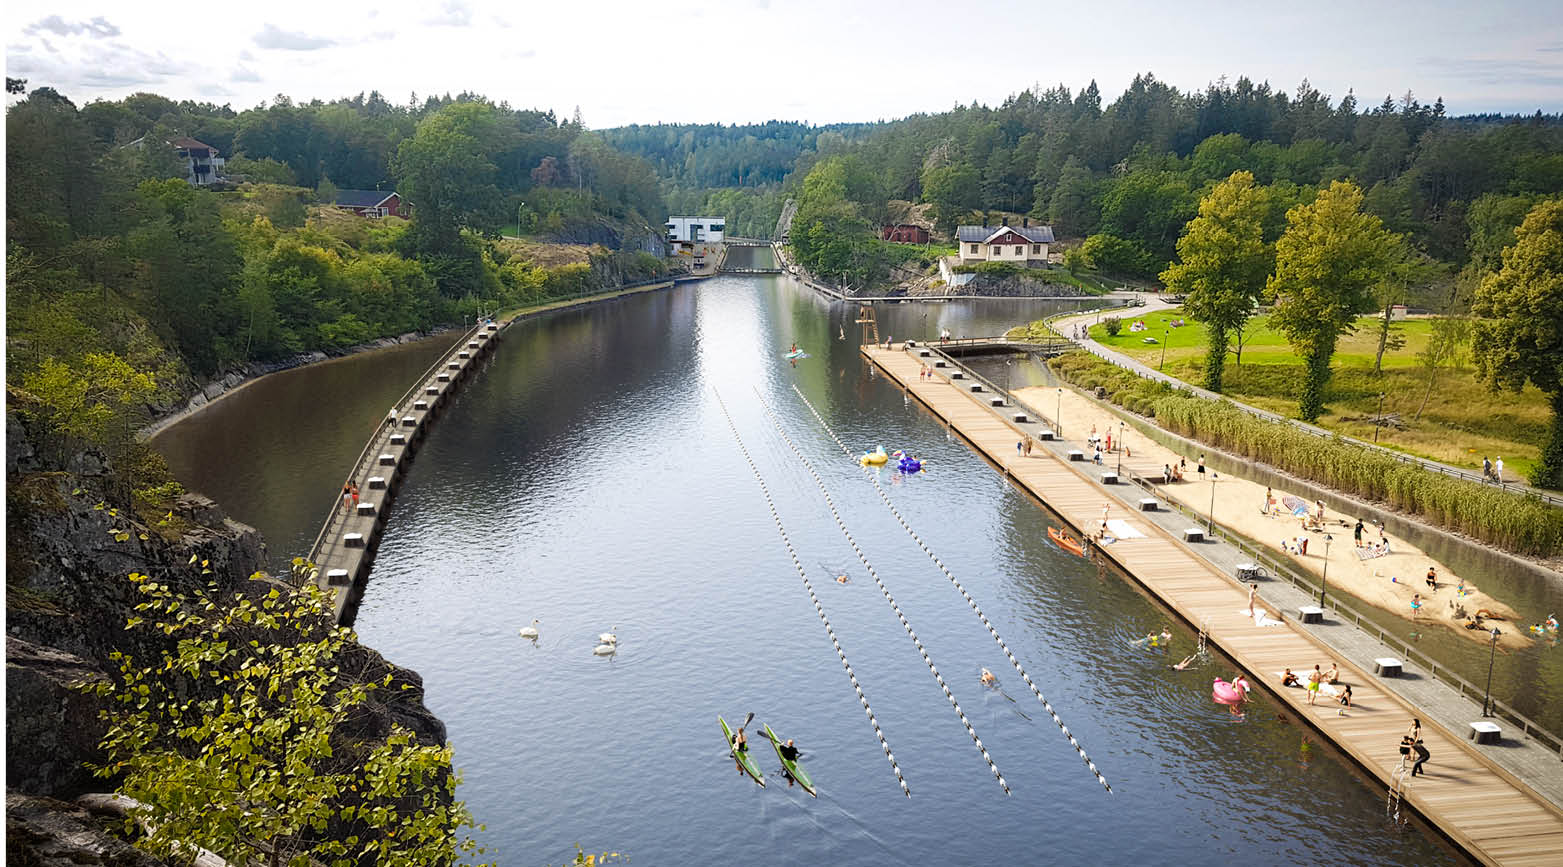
202	164
699	230
1004	243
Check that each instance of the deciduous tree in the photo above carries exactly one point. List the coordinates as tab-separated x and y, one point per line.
1327	264
1519	338
1223	264
235	738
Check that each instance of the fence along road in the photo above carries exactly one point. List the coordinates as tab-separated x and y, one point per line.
1060	323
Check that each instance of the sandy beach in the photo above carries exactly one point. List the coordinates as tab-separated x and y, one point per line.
1389	582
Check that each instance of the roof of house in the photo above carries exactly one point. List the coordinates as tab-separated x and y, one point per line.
362	198
983	234
187	143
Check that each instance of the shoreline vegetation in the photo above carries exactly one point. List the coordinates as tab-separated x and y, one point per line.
1522	524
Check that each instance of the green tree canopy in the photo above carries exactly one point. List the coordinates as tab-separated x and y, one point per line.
1224	261
1327	264
236	739
1519	338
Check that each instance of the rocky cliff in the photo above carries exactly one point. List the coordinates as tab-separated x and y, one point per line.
71	541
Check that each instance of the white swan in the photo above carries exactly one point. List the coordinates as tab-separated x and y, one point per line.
609	637
605	650
530	632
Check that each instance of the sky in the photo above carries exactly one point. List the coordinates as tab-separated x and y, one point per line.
754	60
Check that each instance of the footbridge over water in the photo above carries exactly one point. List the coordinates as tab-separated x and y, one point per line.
748	256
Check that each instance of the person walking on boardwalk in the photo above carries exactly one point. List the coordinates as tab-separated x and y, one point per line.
347	495
1201	466
1020	448
1028	447
1497	470
1356	533
1486	469
1253	591
352	487
1315	677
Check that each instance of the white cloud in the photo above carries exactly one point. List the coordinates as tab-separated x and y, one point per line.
243	74
453	13
97	28
273	37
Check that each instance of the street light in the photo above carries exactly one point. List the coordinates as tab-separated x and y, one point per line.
1379	419
1213	477
1326	578
1120	448
1166	335
1491	653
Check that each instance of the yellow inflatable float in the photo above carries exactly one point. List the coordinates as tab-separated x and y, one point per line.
874	459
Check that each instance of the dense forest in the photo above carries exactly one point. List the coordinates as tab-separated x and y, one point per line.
119	272
1132	172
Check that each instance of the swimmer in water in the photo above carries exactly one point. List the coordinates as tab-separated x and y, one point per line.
988	679
842	579
1185	663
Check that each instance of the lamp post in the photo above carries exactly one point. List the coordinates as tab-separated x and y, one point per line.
1213	477
1326	577
1491	653
1378	420
1058	414
1166	335
1120	448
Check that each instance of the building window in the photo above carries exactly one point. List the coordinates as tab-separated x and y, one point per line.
717	227
974	248
1020	251
1036	249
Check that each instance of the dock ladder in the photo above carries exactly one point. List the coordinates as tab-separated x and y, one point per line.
865	316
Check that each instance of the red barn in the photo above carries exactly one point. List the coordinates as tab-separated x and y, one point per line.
372	203
904	233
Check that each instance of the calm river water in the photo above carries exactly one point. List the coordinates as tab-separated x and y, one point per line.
589	479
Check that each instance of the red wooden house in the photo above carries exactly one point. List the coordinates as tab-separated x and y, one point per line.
904	233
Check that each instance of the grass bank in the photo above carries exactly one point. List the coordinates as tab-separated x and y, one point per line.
1462	421
1524	525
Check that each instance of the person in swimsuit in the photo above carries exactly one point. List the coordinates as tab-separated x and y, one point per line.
1345	696
1185	663
988	679
1314	678
1333	675
1288	678
1432	579
1416	604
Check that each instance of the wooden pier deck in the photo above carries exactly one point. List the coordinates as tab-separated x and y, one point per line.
1484	809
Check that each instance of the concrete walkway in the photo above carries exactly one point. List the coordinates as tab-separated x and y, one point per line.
1153	304
1499	802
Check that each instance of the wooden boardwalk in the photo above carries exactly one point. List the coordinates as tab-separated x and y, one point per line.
1481	807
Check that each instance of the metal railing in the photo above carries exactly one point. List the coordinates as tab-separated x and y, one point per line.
372	448
1263	558
1144	372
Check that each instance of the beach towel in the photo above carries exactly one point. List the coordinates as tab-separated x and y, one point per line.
1121	529
1260	617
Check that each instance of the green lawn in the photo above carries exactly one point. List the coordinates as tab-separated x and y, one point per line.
1463	420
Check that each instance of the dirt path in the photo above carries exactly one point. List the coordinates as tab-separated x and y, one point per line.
1388	582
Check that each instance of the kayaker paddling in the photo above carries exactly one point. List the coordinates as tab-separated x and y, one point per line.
740	745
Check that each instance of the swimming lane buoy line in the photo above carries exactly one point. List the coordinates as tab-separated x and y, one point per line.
922	651
969	600
818	608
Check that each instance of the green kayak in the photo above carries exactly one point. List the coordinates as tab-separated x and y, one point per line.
794	770
744	759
